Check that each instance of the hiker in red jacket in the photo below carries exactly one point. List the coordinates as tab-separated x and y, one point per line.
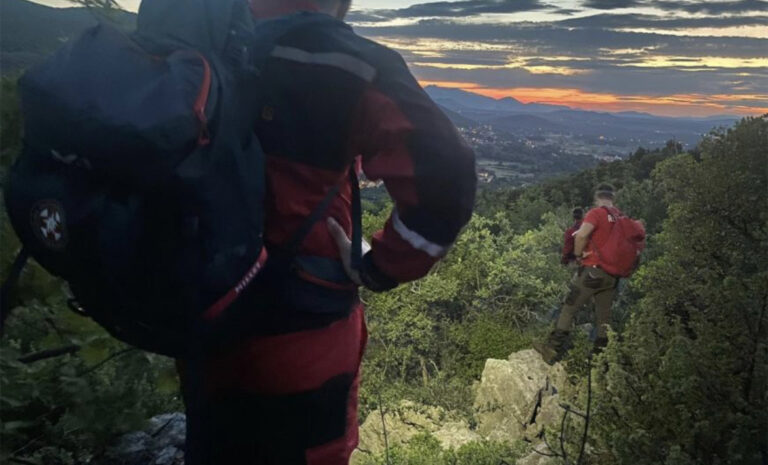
335	103
591	280
568	256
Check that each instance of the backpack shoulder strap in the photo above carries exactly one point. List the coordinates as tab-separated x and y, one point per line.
357	228
613	211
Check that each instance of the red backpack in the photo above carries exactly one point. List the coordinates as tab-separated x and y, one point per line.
619	255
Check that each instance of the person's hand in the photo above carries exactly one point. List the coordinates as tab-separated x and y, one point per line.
344	244
583	255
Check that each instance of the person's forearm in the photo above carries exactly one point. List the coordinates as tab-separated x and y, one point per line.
580	244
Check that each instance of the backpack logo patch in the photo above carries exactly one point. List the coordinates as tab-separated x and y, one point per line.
48	223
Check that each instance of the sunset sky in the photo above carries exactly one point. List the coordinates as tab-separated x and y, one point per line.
667	57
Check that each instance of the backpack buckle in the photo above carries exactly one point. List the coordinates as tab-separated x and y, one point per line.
239	53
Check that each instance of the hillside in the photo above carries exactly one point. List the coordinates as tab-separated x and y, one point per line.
30	31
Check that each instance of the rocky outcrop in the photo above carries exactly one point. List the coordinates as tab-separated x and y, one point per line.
541	455
161	443
403	422
515	400
517	397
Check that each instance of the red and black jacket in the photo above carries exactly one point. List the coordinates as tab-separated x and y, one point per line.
335	101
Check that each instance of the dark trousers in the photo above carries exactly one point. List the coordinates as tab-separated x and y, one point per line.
589	283
286	399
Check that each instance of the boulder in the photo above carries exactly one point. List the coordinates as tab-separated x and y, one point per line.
404	422
538	458
517	397
161	443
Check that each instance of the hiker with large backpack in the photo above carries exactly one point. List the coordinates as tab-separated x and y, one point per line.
195	184
607	246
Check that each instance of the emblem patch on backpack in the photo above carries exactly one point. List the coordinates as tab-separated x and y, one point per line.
49	223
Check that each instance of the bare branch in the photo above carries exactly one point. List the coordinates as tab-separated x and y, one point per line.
562	438
586	416
106	360
49	353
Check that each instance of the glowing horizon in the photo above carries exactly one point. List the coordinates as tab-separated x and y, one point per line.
677	105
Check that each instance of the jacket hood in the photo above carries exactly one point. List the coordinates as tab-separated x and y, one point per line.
200	24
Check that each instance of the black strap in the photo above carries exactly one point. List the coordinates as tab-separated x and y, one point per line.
8	289
293	245
319	212
357	222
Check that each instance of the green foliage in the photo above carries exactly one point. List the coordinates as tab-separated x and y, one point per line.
10	123
495	291
425	449
478	303
687	383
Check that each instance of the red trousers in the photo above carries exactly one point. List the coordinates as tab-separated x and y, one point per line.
281	399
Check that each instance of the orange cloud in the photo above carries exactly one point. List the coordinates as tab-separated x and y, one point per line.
667	105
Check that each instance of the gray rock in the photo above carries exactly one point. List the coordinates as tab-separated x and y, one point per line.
404	422
538	458
516	398
161	443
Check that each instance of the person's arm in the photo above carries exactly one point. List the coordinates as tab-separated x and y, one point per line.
582	238
428	170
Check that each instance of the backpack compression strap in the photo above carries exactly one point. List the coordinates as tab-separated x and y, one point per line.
357	221
227	299
8	289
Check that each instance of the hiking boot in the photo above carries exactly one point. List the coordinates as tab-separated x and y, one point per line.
548	354
554	348
599	345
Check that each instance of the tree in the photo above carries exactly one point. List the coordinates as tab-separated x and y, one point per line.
687	380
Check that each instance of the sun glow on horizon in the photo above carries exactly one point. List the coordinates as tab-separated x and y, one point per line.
663	105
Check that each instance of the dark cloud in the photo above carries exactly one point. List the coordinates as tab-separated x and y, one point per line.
612	21
708	7
712	7
616	80
552	39
468	8
366	16
597	53
449	9
610	4
564	11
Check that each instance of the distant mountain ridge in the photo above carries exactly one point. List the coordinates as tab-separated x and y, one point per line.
513	116
459	99
467	100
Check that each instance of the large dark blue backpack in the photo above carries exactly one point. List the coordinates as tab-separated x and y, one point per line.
141	182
